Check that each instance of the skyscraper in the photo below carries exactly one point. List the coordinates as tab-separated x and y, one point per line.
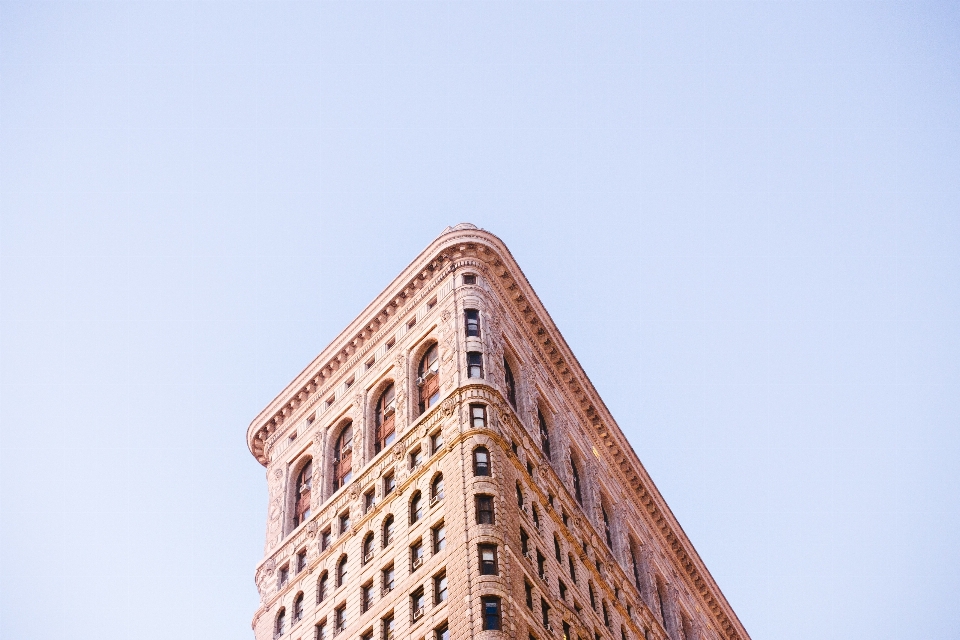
444	469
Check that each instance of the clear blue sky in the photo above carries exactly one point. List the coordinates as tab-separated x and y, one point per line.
744	217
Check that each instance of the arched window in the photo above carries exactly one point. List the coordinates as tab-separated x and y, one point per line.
544	434
519	496
322	587
436	488
341	570
577	488
481	461
428	378
511	384
298	607
343	457
368	547
301	510
386	412
387	530
281	623
416	507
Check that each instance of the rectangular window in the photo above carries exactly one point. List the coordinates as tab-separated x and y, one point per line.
566	631
469	278
563	589
528	592
416	457
388	627
344	523
320	631
325	538
488	559
474	364
367	635
541	562
416	555
442	632
283	576
389	484
573	569
545	612
491	613
439	538
388	579
524	542
301	560
472	322
478	416
485	514
369	501
366	596
418	603
440	588
436	442
339	619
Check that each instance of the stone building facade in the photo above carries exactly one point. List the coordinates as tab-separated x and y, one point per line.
445	469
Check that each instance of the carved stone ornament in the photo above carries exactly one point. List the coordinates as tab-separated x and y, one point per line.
445	316
278	473
398	453
354	491
312	529
448	407
269	566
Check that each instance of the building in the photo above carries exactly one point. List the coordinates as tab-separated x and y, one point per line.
445	470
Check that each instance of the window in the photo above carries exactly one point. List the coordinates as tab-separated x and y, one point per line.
416	555
436	441
428	378
491	613
369	364
416	457
389	484
474	364
511	384
369	500
488	559
536	515
298	607
283	576
566	519
440	588
342	457
366	596
322	587
606	526
418	603
301	560
544	434
478	416
439	538
563	589
545	612
386	413
566	631
344	523
541	564
280	625
339	618
485	514
472	322
634	564
519	496
593	598
524	542
320	631
442	632
550	498
556	548
325	539
387	576
367	548
606	614
436	489
341	570
303	491
367	635
388	627
411	322
481	461
528	592
387	530
416	507
469	278
390	343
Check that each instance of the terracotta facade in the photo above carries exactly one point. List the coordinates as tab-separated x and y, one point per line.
560	533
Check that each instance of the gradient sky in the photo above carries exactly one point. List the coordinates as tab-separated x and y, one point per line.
744	218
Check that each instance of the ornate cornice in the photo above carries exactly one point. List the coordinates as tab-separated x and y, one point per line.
456	247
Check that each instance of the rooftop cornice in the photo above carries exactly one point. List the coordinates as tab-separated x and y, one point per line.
451	247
